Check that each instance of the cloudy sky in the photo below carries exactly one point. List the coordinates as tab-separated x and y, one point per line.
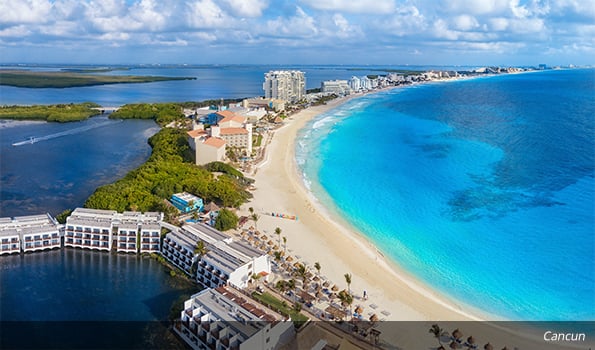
475	32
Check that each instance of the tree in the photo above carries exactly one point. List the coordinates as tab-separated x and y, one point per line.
251	210
255	218
297	307
226	220
437	332
346	300
201	248
284	244
301	272
317	267
348	281
277	255
291	285
255	277
278	233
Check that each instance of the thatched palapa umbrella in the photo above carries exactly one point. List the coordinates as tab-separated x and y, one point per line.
316	279
359	309
441	348
454	344
326	284
374	318
289	258
335	288
457	334
488	346
319	295
264	237
471	340
270	242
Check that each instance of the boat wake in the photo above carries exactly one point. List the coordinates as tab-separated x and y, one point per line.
34	139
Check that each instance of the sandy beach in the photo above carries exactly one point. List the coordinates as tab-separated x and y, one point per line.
319	236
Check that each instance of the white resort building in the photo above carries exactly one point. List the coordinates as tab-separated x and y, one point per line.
232	130
28	233
101	229
339	87
225	261
223	319
287	85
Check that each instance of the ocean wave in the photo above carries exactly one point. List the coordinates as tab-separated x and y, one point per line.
322	122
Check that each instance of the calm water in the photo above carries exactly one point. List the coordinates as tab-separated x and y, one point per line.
212	82
483	188
60	173
124	296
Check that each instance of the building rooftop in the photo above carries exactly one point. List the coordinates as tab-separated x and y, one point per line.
228	257
196	133
185	239
215	142
205	233
242	315
233	131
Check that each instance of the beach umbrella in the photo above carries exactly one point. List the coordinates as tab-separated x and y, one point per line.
270	242
441	348
257	233
471	340
374	318
264	237
250	238
276	247
316	279
454	345
505	348
309	274
488	346
251	228
359	309
457	334
319	294
289	258
335	288
326	284
297	264
332	296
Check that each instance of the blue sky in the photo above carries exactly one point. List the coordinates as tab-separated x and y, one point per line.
466	32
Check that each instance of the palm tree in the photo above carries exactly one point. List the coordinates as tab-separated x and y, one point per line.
346	299
200	249
255	218
277	255
317	267
301	272
348	281
255	277
437	332
291	286
284	244
282	285
251	210
278	233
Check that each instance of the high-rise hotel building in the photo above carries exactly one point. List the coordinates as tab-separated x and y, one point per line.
287	85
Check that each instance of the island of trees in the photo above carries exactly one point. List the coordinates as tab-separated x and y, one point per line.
35	79
51	113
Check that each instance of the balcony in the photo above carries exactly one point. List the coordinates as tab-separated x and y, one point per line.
206	326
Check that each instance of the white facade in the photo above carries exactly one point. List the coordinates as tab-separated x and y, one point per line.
100	229
285	85
222	318
178	248
355	83
340	87
28	233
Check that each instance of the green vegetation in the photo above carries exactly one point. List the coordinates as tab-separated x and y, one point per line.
162	113
63	216
221	167
279	306
168	170
257	141
51	113
30	79
226	220
324	99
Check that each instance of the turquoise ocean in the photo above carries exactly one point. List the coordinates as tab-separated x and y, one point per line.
483	189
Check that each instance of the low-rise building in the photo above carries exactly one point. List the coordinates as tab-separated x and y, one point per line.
222	318
339	87
186	202
178	248
100	229
28	233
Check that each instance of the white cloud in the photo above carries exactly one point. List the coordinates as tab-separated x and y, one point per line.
343	29
15	31
406	20
300	25
465	22
206	14
354	6
477	7
24	11
246	8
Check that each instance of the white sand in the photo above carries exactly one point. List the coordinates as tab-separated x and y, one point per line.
320	236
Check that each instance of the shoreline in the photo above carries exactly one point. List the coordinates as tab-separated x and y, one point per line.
315	213
323	236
